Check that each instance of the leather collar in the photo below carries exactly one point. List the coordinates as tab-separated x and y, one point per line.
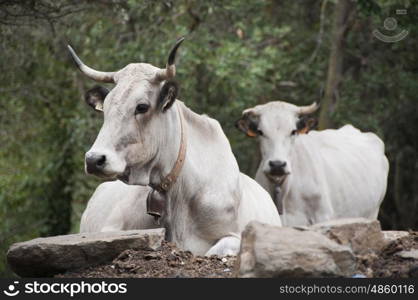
171	177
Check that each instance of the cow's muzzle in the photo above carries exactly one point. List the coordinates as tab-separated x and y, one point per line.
277	171
278	168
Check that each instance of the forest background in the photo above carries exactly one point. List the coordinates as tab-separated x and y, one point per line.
237	54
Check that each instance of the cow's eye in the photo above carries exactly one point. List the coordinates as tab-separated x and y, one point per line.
141	108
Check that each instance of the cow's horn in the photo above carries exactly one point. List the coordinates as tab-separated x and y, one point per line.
170	70
309	109
91	73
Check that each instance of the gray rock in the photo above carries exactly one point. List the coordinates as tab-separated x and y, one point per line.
272	251
48	256
361	235
393	235
408	254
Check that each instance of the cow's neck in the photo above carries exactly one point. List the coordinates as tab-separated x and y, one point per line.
169	151
207	156
168	155
157	199
165	182
206	142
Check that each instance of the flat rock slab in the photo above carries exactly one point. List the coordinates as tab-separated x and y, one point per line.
361	235
272	251
52	255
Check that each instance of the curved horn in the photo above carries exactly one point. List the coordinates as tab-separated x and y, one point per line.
170	70
89	72
309	109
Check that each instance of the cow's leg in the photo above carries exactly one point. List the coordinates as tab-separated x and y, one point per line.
228	245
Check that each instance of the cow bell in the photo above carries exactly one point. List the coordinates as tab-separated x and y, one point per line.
156	204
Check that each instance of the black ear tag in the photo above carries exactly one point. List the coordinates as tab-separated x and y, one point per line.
156	204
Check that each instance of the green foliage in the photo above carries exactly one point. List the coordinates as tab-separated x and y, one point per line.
237	54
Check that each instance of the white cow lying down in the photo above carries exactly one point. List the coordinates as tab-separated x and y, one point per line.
321	175
148	137
117	206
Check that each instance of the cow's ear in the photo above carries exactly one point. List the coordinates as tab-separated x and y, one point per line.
305	124
95	97
249	124
168	95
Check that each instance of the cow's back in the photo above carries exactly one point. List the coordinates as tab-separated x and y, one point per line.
349	167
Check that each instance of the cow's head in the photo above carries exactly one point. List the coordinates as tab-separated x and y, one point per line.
137	118
276	125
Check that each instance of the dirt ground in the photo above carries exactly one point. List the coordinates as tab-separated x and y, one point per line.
167	262
171	262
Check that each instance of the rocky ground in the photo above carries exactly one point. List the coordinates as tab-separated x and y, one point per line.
390	263
168	261
337	248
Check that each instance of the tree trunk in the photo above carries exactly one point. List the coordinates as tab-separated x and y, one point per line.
328	103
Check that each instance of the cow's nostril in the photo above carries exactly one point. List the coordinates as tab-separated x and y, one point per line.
101	161
277	167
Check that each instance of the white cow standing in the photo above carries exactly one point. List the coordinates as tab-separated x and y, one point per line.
321	175
150	138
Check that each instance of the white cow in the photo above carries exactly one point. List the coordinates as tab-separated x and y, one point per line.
117	206
318	176
150	138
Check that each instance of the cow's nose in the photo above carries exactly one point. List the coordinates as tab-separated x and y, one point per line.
277	167
95	162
